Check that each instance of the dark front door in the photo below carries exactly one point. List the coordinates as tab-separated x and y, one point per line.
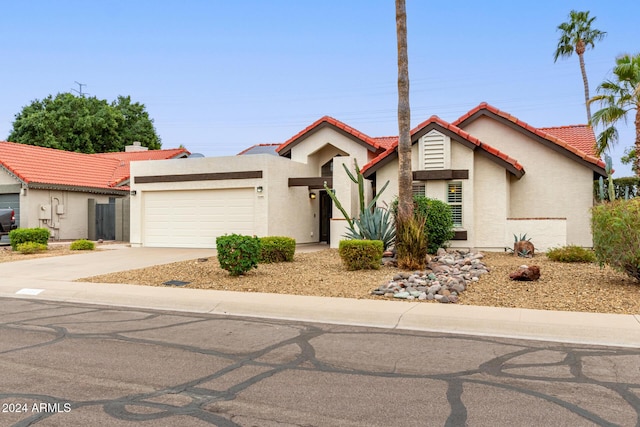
326	205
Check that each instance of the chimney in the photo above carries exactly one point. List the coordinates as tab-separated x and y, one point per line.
136	146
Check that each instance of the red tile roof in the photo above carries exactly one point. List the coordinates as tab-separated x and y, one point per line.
373	144
576	145
46	166
456	130
580	136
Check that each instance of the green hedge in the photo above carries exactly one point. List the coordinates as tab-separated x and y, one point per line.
82	245
361	254
31	248
616	235
24	235
277	249
238	254
571	253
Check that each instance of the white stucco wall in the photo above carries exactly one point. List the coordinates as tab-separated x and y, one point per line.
544	233
313	150
279	210
554	186
491	204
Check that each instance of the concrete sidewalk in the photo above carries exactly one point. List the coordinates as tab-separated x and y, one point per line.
52	279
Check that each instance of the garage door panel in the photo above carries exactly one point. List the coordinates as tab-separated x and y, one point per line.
195	218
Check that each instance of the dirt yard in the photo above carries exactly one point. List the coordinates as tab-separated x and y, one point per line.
565	287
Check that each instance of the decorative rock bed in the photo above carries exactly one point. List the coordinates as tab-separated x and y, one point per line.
447	275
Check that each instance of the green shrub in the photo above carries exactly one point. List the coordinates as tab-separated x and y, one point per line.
439	221
411	244
24	235
361	254
238	254
82	245
277	249
31	248
571	253
616	235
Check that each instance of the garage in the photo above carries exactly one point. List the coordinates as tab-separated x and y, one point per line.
194	218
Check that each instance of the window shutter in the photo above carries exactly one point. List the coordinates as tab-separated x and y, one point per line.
454	199
433	149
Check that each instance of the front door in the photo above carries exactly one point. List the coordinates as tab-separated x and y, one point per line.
326	205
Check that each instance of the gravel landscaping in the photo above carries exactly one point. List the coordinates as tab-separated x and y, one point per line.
562	286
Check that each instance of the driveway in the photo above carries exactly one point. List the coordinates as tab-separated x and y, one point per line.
85	365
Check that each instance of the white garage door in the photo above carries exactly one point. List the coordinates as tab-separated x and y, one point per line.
194	218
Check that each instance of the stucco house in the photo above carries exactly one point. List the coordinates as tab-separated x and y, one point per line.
53	188
501	176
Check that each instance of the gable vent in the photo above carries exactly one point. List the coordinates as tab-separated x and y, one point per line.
434	151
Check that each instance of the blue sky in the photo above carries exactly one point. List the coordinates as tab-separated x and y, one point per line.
218	76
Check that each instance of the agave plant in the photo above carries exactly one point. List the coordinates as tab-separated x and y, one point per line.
373	224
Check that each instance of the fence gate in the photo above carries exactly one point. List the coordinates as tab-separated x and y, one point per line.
106	220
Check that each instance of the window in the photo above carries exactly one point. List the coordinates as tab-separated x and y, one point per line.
454	199
418	189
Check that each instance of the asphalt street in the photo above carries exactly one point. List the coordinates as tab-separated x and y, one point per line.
72	364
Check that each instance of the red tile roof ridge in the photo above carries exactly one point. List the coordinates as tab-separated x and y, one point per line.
454	129
537	131
334	122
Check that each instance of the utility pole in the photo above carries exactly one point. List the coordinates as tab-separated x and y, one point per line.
80	92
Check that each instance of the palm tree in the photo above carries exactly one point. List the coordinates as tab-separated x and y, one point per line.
405	178
577	35
618	97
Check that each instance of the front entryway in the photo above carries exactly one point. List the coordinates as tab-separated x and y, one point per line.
326	208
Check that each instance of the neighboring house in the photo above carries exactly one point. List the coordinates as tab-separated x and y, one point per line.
52	188
500	175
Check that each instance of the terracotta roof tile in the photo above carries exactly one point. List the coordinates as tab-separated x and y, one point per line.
39	165
338	124
437	120
576	139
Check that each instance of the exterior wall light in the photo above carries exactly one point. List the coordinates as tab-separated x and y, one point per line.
312	196
132	192
259	189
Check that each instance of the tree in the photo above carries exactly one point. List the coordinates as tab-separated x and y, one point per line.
405	178
84	124
577	35
618	97
411	240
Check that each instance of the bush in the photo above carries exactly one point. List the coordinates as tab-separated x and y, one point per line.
616	235
411	244
571	253
361	254
82	245
238	254
31	248
24	235
439	221
277	249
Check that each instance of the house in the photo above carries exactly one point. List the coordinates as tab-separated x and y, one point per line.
500	175
53	188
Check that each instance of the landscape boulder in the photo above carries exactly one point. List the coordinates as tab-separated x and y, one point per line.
526	273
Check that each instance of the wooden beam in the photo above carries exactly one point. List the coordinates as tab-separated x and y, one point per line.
423	175
314	183
215	176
